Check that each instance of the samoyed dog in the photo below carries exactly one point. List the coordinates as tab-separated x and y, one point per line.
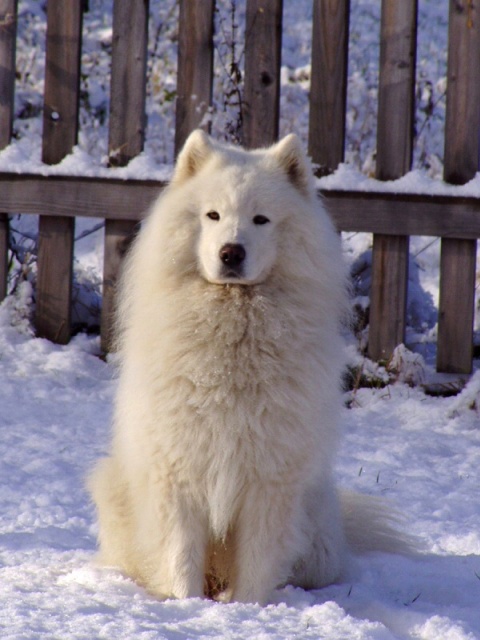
220	477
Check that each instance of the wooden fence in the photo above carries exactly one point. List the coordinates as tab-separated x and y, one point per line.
392	218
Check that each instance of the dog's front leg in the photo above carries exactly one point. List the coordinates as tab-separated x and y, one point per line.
178	559
265	542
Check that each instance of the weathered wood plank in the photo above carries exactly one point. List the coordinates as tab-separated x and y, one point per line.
195	67
455	344
54	278
118	236
388	295
404	214
8	30
263	40
77	196
60	129
128	80
328	84
394	156
463	92
455	328
126	132
4	229
455	322
369	212
62	77
396	88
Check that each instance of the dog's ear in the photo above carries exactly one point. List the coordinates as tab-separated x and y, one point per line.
193	156
290	155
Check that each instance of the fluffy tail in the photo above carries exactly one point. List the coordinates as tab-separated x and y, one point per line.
371	526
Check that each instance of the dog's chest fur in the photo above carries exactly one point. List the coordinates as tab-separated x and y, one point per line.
230	405
242	339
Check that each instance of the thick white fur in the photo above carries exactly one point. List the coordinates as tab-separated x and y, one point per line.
225	424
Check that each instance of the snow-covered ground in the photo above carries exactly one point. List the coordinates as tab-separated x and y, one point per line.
420	452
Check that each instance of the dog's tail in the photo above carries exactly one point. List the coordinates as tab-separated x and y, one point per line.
370	525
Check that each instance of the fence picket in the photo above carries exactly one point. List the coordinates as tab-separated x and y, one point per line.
60	128
128	78
458	257
328	84
195	67
4	233
118	236
54	278
391	217
394	158
456	308
8	30
263	40
126	133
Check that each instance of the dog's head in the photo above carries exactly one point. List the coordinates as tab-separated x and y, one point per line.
240	200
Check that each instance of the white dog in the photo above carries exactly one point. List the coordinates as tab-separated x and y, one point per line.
225	430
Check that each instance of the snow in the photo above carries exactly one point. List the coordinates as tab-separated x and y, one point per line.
347	177
418	451
17	158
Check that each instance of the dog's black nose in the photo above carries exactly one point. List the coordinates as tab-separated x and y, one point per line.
232	254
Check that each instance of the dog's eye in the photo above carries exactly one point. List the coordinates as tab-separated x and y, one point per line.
260	220
213	215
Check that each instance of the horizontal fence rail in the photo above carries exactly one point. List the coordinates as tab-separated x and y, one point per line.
355	211
391	217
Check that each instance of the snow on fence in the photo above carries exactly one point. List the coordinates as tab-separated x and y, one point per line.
392	218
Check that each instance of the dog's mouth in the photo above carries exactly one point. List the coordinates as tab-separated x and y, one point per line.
234	280
231	275
232	272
